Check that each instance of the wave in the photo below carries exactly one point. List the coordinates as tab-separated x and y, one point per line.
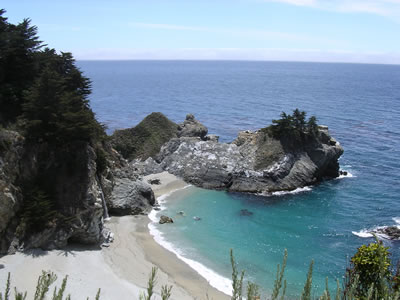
363	233
377	230
219	282
396	220
296	191
161	200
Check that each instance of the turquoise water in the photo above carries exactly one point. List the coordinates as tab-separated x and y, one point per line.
359	103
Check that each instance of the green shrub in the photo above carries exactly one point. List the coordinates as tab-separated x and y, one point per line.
370	270
294	127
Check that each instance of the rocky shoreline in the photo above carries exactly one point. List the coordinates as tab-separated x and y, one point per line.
255	162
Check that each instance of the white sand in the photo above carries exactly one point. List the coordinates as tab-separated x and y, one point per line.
121	271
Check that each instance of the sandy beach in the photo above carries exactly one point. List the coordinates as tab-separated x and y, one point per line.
121	270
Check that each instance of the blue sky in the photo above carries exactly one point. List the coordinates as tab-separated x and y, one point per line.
302	30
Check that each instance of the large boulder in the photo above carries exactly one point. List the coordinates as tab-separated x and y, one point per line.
165	220
192	128
131	197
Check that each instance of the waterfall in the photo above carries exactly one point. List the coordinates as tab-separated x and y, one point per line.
103	200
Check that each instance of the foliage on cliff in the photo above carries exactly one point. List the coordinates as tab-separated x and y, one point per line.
42	89
294	126
44	96
145	140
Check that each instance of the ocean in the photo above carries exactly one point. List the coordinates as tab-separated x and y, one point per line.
326	223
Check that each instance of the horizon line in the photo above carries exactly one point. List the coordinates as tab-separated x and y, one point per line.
237	60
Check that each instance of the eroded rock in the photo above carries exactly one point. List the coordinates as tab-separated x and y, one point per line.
131	197
165	219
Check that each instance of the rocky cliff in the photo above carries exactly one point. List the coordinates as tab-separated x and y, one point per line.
49	196
254	162
54	195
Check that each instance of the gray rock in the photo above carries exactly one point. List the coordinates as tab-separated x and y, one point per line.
254	162
212	138
147	167
392	232
131	197
11	151
165	219
192	128
77	193
155	181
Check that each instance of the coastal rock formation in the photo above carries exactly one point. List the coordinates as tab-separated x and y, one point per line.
254	162
165	219
145	140
192	128
131	197
389	232
73	212
11	149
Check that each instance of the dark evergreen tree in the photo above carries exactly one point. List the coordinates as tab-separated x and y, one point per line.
294	127
56	107
18	47
312	126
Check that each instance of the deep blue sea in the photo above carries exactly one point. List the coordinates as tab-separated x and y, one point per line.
360	104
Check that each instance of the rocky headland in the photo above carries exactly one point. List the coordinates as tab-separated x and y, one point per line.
254	162
109	178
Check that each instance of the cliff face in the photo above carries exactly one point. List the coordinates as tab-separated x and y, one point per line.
71	211
255	162
11	149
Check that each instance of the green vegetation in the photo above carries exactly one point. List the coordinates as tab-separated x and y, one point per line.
369	275
165	289
368	278
144	140
44	96
294	126
41	89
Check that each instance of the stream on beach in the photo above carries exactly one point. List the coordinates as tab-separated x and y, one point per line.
359	103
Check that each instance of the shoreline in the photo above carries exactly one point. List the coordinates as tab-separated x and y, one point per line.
120	270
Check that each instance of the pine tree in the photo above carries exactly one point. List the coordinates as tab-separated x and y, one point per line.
18	47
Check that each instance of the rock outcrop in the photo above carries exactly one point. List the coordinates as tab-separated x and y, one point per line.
192	128
71	210
146	139
388	232
131	197
165	220
255	162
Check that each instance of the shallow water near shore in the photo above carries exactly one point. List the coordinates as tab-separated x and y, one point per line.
359	103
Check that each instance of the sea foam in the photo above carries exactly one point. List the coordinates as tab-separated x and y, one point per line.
363	233
296	191
217	281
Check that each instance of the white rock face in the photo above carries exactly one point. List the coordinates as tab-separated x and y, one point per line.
254	162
